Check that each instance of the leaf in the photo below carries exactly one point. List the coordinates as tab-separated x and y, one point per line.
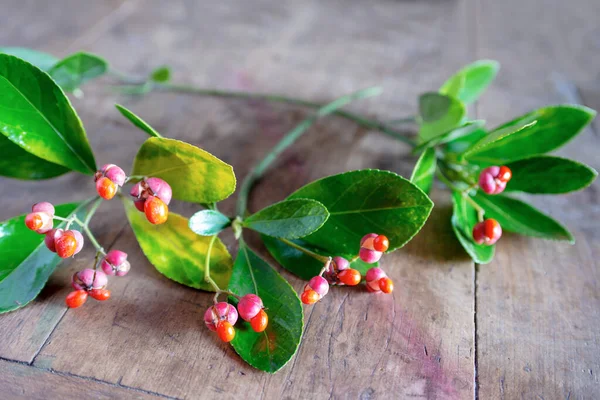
366	201
455	134
464	218
26	262
471	81
459	145
75	70
534	133
439	114
301	264
195	175
520	217
137	121
424	171
177	252
208	222
36	115
290	219
269	350
161	74
17	163
549	175
43	61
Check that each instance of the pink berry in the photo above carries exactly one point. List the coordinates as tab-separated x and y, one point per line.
340	263
319	285
367	251
161	189
138	190
373	277
487	232
492	180
44	206
115	263
79	237
51	237
89	279
249	306
220	312
337	265
40	222
114	173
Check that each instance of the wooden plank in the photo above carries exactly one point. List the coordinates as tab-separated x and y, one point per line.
19	381
150	335
538	302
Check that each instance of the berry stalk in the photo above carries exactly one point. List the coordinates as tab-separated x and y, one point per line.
207	277
306	251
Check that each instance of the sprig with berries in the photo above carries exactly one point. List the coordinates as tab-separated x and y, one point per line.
331	232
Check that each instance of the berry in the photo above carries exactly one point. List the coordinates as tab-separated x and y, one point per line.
386	285
100	294
89	279
350	277
115	263
492	180
44	206
367	252
156	210
225	331
79	237
260	321
114	173
106	188
337	264
309	297
220	312
65	245
381	243
374	275
76	299
487	232
249	306
50	239
139	204
319	285
160	189
40	221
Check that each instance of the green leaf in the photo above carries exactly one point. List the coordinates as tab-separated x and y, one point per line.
464	218
520	217
161	74
75	70
301	264
290	219
453	135
177	252
195	175
269	350
208	222
26	262
17	163
366	201
534	133
424	171
549	175
137	121
439	114
43	61
471	81
36	115
459	145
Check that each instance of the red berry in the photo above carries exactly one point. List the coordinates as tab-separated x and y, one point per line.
309	297
386	285
504	174
76	299
225	331
34	221
381	243
487	232
156	210
350	277
260	321
106	188
66	245
100	294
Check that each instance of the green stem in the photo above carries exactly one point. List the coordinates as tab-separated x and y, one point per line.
92	211
447	182
480	210
306	251
90	236
289	139
207	277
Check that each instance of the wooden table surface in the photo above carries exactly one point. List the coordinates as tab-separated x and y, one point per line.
525	326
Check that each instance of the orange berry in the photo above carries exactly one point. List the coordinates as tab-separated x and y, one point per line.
491	228
156	210
350	277
100	294
260	321
65	245
106	188
34	221
381	243
386	285
504	174
225	331
76	299
309	297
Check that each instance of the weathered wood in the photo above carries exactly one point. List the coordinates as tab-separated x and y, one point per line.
538	302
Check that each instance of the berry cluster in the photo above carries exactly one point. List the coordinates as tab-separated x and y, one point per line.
65	243
222	316
152	197
108	180
337	271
